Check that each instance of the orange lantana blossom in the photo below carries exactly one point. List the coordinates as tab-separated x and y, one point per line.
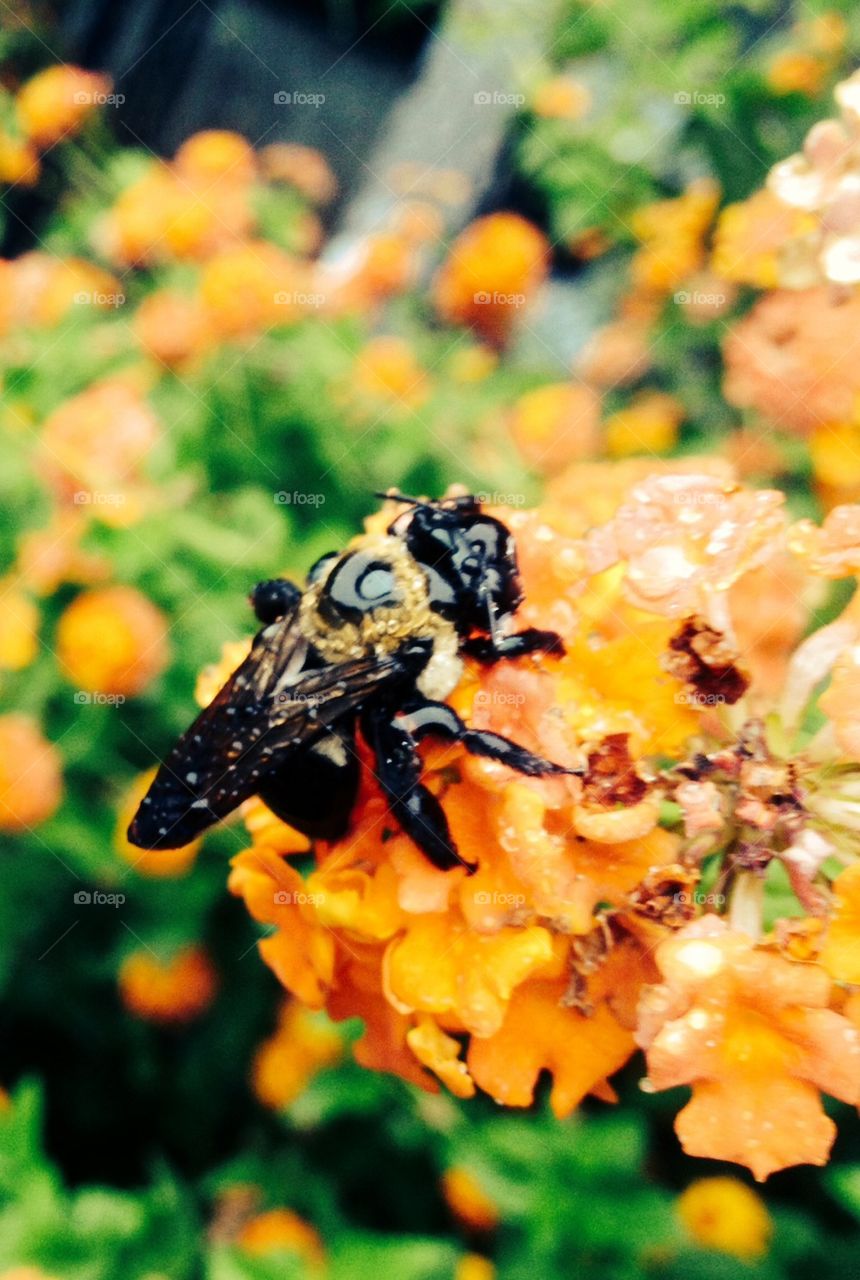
623	905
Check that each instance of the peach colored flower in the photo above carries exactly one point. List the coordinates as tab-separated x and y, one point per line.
685	541
52	555
833	549
93	447
795	359
751	239
616	355
770	608
172	327
41	289
753	1034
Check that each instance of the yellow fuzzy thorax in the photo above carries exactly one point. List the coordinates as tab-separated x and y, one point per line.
383	630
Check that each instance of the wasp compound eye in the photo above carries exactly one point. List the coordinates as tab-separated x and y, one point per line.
320	567
273	598
359	584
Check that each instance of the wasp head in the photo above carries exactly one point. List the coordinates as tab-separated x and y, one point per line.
469	558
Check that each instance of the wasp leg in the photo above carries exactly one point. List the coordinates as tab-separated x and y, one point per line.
272	599
419	813
490	649
421	719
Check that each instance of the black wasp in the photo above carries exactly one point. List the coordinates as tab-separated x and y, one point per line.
375	640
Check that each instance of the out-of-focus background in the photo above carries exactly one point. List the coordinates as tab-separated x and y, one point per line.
260	259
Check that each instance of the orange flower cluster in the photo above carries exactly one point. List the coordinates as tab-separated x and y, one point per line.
493	270
586	929
39	289
51	107
672	234
804	229
789	360
186	209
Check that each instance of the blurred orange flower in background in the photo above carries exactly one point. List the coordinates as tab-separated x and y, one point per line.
468	1200
300	1046
42	288
723	1214
53	104
672	234
19	162
112	640
387	372
556	424
19	627
282	1231
252	287
31	779
173	990
492	272
93	446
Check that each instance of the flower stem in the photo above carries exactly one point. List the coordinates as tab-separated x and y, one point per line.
745	905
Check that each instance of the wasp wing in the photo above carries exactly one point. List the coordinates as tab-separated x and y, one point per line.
270	708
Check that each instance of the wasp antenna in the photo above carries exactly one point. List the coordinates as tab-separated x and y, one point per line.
394	495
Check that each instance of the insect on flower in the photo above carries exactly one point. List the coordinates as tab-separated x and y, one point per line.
375	640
